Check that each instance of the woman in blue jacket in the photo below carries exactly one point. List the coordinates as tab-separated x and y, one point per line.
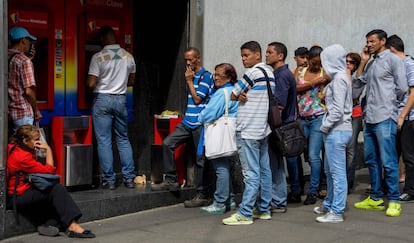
224	78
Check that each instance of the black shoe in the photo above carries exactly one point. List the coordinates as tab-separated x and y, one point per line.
84	234
405	197
108	186
294	198
48	230
129	184
197	201
165	186
310	199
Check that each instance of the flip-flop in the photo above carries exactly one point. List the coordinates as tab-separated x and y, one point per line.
84	234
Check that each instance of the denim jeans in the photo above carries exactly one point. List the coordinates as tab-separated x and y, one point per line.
381	153
315	142
23	121
224	187
335	170
294	175
279	185
180	135
407	146
352	151
109	111
254	159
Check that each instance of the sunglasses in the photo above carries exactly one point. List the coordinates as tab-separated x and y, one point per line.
351	62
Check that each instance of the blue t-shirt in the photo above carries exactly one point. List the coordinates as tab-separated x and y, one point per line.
203	83
286	92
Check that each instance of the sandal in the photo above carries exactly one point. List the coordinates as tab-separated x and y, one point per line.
84	234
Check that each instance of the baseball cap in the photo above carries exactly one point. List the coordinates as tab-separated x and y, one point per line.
301	51
19	32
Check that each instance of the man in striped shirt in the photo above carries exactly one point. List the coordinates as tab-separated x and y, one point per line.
22	107
199	84
252	133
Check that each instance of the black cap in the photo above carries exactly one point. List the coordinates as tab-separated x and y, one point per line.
301	51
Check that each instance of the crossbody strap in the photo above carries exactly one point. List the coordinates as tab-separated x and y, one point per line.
269	90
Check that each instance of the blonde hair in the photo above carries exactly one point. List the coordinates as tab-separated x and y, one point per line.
24	132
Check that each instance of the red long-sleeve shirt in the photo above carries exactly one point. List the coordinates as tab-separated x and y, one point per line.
23	161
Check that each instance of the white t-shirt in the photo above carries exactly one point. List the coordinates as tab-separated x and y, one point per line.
112	65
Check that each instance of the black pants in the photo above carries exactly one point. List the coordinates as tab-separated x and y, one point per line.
180	135
407	147
54	207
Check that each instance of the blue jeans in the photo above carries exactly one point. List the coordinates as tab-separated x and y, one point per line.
224	187
294	179
279	185
335	169
109	111
254	159
23	121
315	142
381	153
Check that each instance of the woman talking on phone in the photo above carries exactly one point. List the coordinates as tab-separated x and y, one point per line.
52	210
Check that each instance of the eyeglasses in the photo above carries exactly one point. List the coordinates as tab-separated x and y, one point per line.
218	75
350	62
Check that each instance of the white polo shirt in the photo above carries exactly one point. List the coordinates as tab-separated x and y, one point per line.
112	65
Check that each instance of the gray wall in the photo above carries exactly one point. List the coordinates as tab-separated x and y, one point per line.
230	23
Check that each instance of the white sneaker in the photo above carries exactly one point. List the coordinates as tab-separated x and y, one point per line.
330	217
320	210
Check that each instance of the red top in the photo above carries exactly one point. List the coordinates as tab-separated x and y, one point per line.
23	161
357	111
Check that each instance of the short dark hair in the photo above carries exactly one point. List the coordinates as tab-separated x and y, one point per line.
380	34
106	32
396	42
314	51
194	49
301	51
253	46
280	48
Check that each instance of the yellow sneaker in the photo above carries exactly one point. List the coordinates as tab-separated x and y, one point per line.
237	219
394	209
370	204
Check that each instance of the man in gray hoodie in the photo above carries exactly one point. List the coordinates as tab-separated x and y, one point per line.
337	131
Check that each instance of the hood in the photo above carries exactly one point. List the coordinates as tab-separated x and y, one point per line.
333	60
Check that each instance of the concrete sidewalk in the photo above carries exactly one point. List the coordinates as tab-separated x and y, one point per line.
178	224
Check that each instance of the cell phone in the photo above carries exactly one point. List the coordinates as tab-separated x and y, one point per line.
32	46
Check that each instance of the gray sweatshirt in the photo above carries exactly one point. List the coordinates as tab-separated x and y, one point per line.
338	93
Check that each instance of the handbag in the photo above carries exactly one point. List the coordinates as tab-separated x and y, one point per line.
273	116
43	181
220	135
288	140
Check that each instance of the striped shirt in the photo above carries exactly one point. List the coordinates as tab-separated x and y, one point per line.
203	83
252	114
21	76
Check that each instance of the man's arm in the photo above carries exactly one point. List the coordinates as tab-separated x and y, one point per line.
131	79
91	81
30	94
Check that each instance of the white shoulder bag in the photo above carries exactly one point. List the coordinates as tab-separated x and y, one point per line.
220	135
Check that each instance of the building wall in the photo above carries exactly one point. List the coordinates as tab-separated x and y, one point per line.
228	24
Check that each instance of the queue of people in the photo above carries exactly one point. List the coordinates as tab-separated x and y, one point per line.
335	95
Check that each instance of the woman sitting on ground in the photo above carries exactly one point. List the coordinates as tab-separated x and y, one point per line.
52	210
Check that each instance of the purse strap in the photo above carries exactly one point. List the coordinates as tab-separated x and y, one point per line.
269	90
226	96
